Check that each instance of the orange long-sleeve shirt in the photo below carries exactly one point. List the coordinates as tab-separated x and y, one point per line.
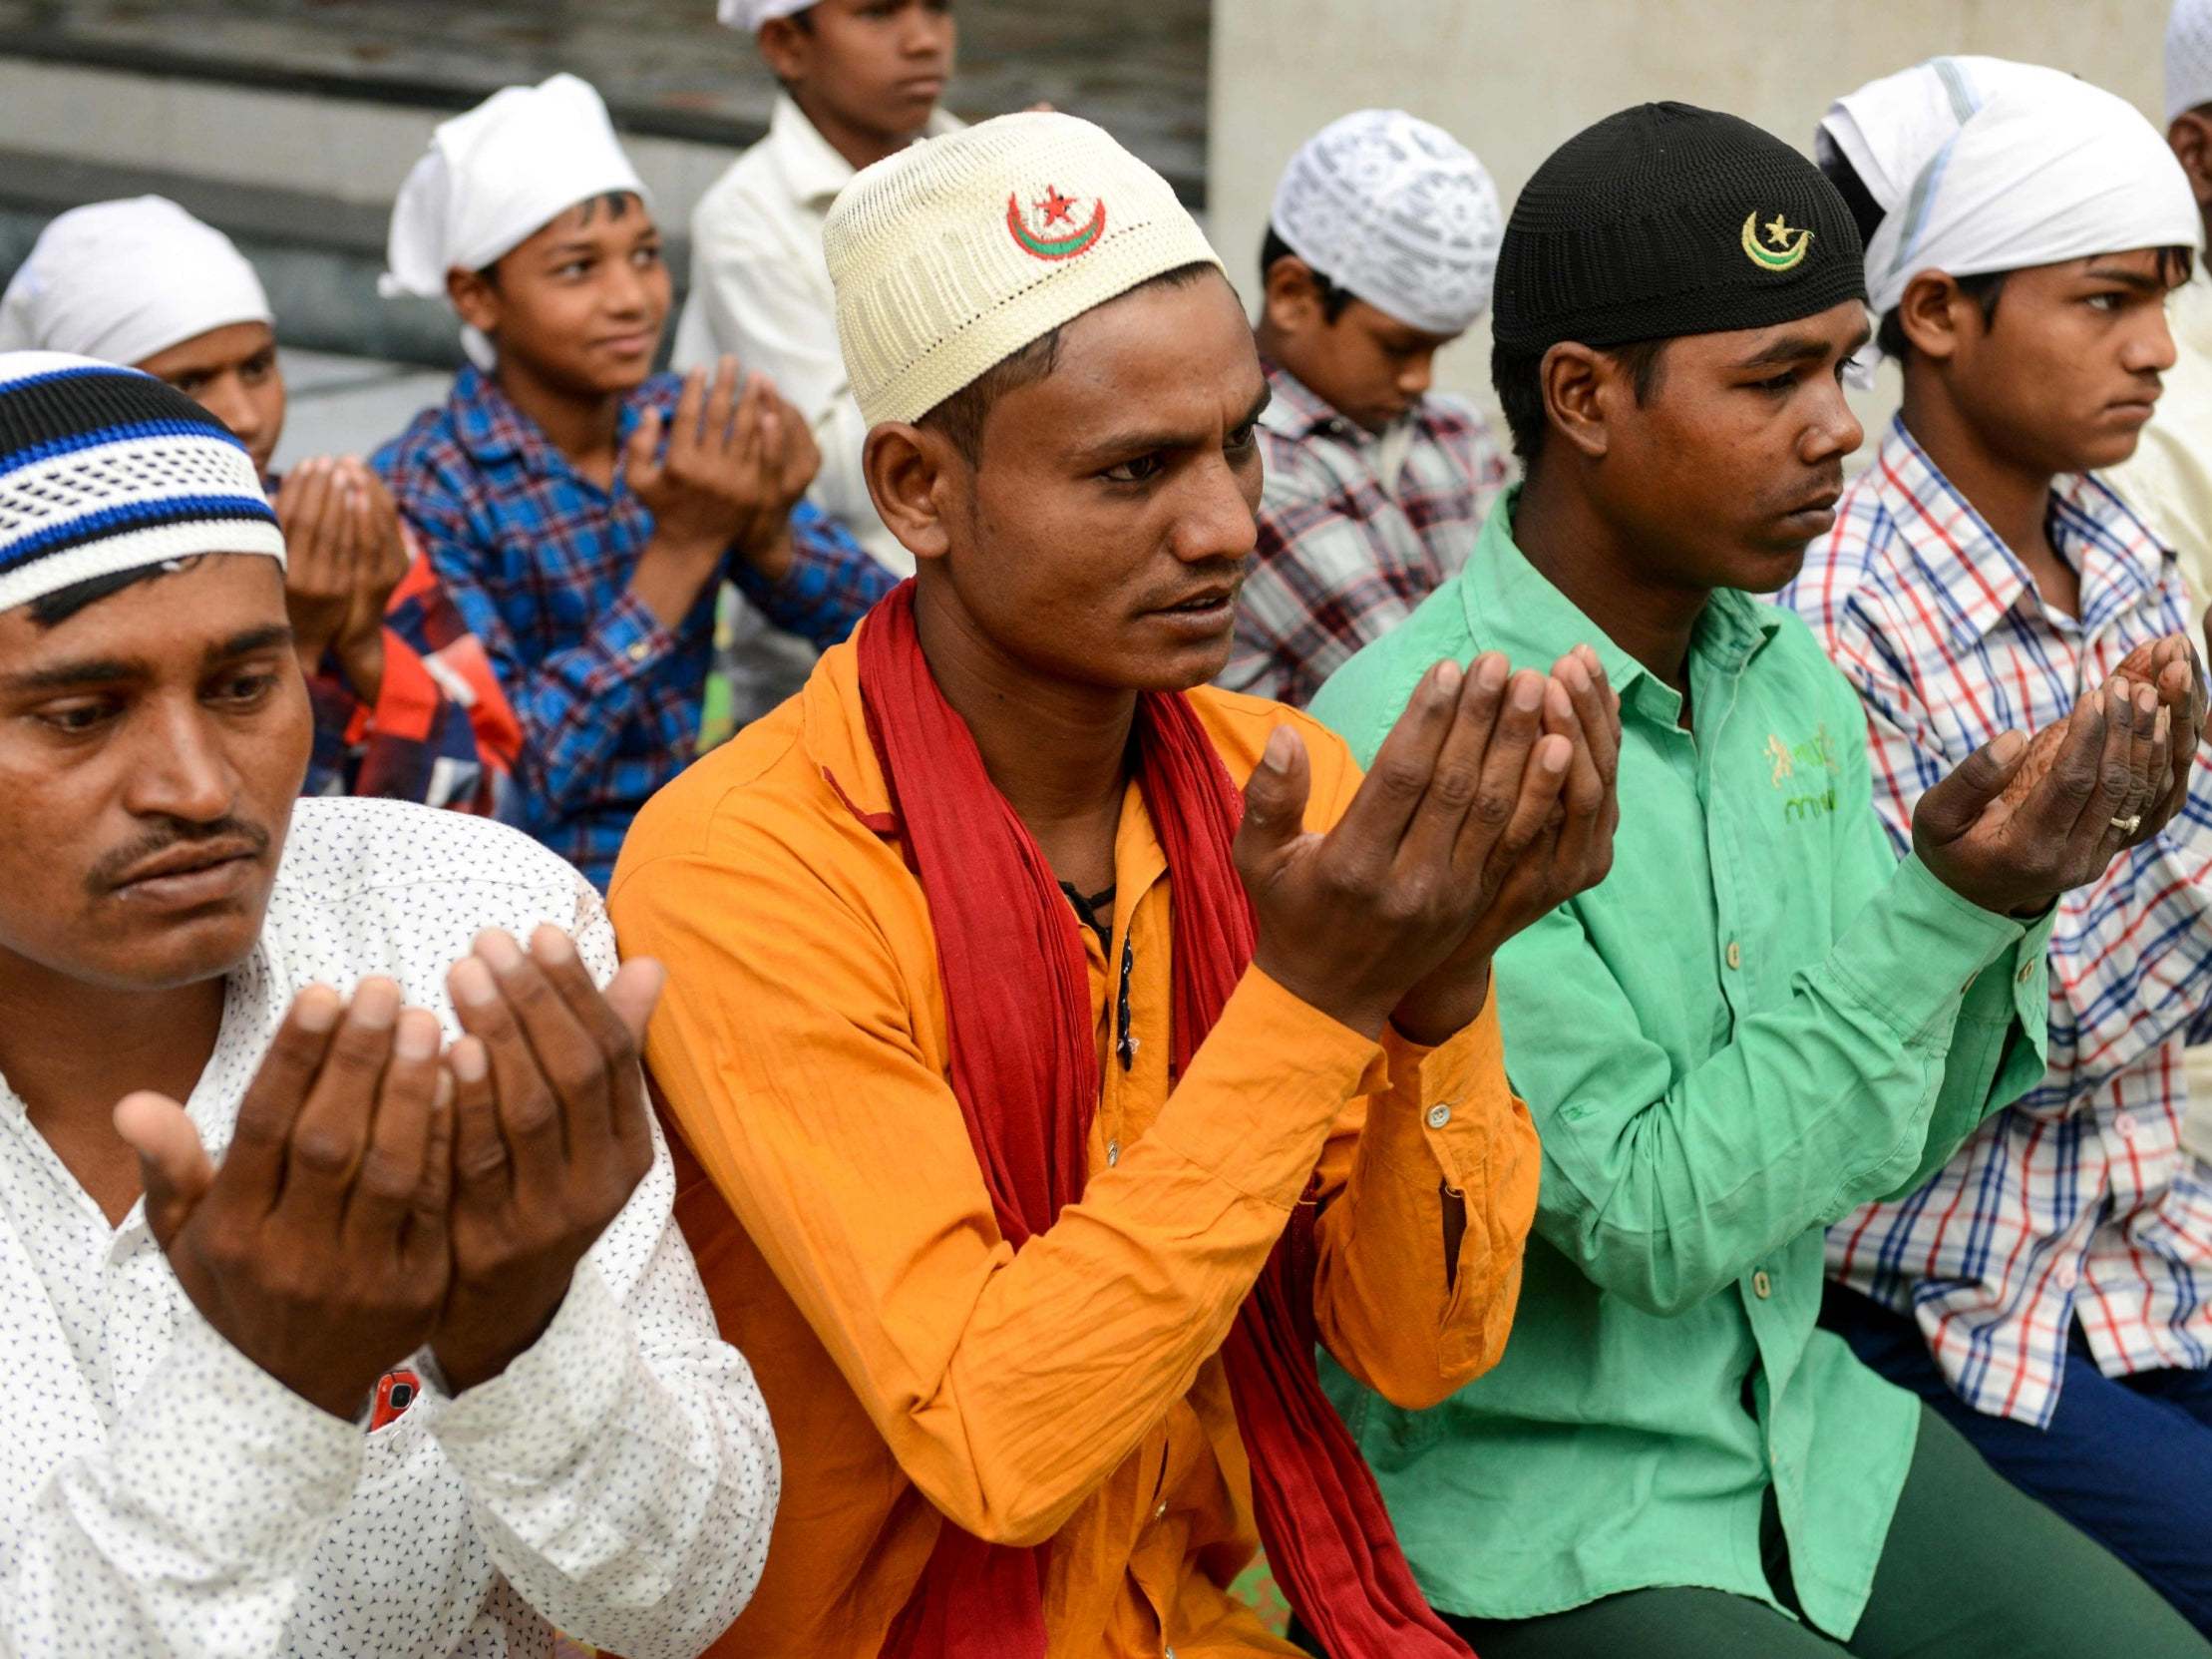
915	1363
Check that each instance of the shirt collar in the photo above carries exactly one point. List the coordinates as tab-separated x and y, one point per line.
1298	412
1974	578
492	430
834	728
1513	606
812	170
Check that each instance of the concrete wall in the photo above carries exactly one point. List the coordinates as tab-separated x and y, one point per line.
1513	81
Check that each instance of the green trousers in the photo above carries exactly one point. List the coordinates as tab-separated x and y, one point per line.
1973	1569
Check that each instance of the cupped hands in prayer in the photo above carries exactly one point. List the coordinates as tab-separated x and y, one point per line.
379	1195
1491	801
2023	820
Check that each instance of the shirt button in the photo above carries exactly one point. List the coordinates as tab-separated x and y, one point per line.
2127	1126
1438	1116
1761	1286
2026	973
638	650
1160	1513
1735	954
1113	1154
2068	1276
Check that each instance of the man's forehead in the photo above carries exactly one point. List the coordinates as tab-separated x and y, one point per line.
155	615
619	214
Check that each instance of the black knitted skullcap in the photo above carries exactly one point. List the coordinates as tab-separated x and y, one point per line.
1670	220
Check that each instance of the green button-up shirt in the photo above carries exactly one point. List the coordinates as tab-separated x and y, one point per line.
1759	1021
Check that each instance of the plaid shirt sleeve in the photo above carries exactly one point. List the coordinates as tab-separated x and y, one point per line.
2131	952
570	707
830	586
440	732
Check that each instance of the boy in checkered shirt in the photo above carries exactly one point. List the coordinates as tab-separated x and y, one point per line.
2046	1290
1379	254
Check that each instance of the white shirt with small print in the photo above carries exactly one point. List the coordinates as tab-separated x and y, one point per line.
160	1493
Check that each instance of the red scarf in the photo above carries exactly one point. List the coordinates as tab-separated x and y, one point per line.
1024	1068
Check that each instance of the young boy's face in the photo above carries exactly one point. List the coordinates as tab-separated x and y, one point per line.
582	301
878	67
2063	375
1367	364
233	373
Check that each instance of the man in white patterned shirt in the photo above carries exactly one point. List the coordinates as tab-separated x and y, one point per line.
382	1342
1379	253
2047	1291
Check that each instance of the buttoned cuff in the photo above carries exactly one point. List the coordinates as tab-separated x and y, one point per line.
528	1423
230	1458
1269	1081
1435	1112
1916	948
629	638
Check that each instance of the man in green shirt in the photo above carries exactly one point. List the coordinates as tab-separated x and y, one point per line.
1761	1018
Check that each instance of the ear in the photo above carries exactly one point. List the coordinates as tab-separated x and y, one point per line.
916	477
1579	386
474	299
1292	300
2191	139
783	44
1936	317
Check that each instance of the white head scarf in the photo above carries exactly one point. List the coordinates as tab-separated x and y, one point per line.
2188	56
125	280
495	177
1981	165
1399	213
749	15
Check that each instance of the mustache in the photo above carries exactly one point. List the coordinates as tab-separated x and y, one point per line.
114	868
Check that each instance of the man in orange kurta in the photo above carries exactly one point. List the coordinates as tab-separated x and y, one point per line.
1080	505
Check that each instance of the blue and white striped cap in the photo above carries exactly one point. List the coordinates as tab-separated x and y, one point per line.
104	470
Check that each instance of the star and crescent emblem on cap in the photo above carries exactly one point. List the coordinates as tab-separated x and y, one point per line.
1051	228
1775	246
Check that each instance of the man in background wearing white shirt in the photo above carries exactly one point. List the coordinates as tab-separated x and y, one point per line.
382	1342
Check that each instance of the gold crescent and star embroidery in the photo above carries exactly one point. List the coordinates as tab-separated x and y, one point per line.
1781	248
1050	228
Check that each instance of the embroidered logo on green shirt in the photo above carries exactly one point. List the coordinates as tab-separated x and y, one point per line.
1798	767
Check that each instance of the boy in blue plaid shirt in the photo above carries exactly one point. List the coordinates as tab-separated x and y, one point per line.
583	511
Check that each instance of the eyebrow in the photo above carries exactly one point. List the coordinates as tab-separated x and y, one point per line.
1791	349
106	671
2135	279
1145	443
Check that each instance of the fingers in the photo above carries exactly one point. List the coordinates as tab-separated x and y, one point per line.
333	1130
641	464
482	1170
173	1169
1953	804
424	1249
684	431
1388	796
634	993
390	1178
719	419
543	1065
1274	806
1500	795
263	1129
1588	788
307	538
1456	780
554	956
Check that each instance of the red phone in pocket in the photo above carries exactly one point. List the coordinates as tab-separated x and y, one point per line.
394	1394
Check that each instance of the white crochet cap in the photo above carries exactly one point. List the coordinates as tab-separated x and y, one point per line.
126	280
2188	56
104	470
959	251
749	15
1397	212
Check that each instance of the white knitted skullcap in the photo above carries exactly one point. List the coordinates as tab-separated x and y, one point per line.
749	15
1397	212
104	470
959	251
2188	56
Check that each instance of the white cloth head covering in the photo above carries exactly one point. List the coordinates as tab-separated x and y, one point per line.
496	176
104	470
959	251
125	280
1399	213
2188	56
749	15
1982	165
